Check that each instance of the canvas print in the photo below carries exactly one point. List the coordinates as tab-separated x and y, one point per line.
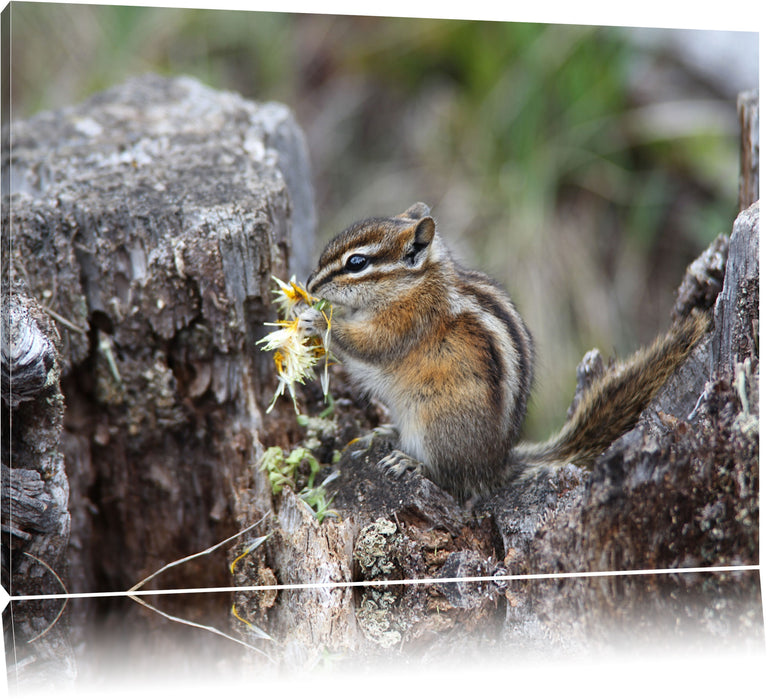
339	343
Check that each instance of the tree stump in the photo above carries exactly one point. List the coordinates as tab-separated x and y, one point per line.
148	222
146	225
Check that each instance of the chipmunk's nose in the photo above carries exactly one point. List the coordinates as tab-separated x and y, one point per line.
312	282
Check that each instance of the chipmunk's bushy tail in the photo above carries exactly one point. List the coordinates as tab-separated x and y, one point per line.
612	404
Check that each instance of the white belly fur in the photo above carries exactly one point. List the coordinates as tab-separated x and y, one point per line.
375	383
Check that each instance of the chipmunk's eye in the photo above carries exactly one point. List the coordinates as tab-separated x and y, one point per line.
356	262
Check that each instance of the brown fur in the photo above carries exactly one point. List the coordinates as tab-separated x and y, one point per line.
613	403
446	350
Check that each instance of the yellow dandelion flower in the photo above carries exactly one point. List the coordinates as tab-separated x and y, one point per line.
295	354
289	294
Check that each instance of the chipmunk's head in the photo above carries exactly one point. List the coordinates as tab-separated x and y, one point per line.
376	261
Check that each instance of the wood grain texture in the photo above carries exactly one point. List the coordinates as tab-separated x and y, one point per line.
149	220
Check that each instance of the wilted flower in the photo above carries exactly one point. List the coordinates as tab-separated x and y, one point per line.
289	294
296	354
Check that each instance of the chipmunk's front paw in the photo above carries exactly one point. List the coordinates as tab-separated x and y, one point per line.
312	322
382	433
397	463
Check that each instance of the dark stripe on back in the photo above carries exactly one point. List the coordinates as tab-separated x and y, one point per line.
494	366
518	333
521	341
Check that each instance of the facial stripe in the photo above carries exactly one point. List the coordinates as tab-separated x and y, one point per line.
379	268
380	234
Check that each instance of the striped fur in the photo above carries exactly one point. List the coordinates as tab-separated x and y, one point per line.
613	403
445	349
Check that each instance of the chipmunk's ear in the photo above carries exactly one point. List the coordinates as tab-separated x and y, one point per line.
421	235
416	211
424	232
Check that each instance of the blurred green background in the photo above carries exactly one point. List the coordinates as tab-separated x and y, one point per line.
583	167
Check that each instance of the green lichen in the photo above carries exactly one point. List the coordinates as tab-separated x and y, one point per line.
374	547
283	470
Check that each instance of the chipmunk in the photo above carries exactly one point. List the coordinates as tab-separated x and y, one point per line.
444	348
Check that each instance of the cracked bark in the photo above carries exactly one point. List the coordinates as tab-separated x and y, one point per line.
143	228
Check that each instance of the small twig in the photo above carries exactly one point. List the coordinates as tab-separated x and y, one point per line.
64	601
105	347
68	324
190	623
248	550
207	628
253	628
198	554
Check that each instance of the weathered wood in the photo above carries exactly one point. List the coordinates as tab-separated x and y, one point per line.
749	123
737	313
150	220
681	489
703	279
28	356
34	486
303	550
